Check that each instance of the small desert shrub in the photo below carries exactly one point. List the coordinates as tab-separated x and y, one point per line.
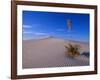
72	50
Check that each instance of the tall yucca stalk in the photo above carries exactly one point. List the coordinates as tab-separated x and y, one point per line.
72	50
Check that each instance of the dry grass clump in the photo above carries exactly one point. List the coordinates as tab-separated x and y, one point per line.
72	50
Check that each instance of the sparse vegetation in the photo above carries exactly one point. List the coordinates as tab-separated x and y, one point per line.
72	50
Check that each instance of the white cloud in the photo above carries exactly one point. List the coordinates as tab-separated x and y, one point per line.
34	33
40	33
27	26
27	32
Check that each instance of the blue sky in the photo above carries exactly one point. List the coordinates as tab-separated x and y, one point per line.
38	25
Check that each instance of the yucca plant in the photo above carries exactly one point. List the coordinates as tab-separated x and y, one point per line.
72	50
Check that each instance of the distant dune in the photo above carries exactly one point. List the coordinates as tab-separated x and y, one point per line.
50	52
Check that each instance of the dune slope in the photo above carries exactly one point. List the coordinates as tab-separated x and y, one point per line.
50	52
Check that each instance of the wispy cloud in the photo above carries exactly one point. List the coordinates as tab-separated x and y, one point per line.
40	33
27	32
27	26
34	33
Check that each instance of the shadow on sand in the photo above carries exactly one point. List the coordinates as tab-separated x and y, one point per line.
87	54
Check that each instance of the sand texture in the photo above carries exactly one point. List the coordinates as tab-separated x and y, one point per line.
50	52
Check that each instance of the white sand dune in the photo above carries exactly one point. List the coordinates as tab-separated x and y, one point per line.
50	52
